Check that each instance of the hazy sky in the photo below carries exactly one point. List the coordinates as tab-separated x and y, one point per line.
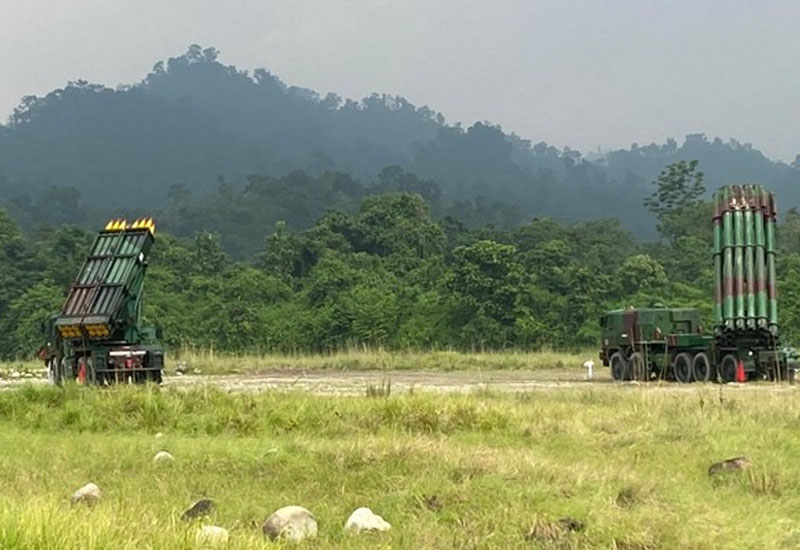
573	73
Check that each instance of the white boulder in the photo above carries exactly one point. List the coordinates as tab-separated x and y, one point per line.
211	535
89	493
291	523
163	457
365	519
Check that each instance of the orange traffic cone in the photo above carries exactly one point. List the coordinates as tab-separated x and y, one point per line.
740	376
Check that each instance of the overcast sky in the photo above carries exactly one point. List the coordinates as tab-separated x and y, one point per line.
583	74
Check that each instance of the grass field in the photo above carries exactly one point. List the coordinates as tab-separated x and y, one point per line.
456	471
209	362
376	359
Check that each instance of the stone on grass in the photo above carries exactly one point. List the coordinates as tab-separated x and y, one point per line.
291	523
571	524
211	535
544	530
202	507
736	463
364	519
163	457
89	494
432	503
159	435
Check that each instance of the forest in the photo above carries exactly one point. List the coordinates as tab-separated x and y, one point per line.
291	221
194	132
391	274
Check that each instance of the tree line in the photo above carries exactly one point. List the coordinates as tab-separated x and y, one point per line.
390	273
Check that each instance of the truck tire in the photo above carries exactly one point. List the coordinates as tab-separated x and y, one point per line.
54	371
636	368
701	367
727	368
618	367
67	370
682	366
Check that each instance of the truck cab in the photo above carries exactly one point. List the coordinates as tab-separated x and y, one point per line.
642	343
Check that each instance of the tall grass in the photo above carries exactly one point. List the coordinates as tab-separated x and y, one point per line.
353	359
502	469
208	361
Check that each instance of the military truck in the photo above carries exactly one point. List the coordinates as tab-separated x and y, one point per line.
98	337
744	343
640	343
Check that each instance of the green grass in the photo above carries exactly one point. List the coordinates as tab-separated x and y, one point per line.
210	362
628	462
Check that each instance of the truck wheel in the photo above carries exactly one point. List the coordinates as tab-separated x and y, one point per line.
728	368
617	363
701	367
66	370
636	368
683	367
53	371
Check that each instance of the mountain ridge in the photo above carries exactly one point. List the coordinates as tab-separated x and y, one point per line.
197	123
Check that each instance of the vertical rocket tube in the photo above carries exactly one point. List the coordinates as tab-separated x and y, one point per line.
749	267
738	262
718	206
772	290
727	262
760	261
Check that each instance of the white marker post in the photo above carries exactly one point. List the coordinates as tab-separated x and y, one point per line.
589	366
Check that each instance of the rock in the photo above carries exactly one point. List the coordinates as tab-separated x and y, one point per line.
737	463
290	522
163	457
364	519
202	507
544	531
211	535
571	524
549	531
197	371
159	435
432	503
89	493
15	374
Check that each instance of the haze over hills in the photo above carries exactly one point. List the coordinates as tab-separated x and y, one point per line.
194	128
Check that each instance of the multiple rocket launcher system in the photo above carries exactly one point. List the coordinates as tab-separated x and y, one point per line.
745	341
98	335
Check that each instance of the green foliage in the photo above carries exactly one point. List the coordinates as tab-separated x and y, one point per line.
387	274
641	273
21	326
217	149
677	199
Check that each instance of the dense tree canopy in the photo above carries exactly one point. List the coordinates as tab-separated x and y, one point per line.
208	141
386	272
289	220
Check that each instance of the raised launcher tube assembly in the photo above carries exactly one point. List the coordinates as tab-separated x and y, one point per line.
745	293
